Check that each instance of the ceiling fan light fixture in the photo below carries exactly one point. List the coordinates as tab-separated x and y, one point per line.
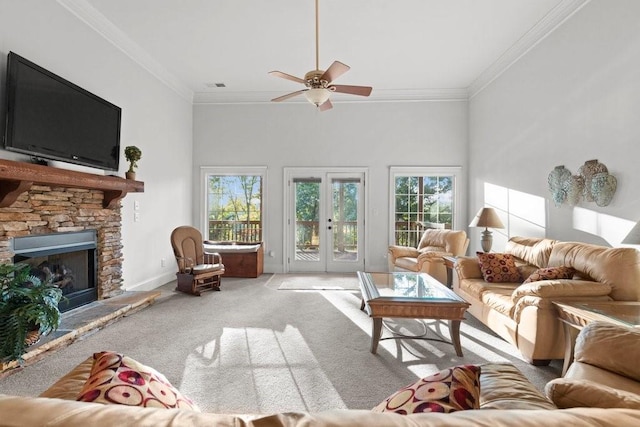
317	96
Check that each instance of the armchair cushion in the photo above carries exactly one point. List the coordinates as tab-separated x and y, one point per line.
498	268
205	268
568	393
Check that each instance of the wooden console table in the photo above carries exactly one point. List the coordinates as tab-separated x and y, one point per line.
576	315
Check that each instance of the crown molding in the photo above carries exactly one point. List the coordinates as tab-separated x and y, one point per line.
405	95
101	25
547	25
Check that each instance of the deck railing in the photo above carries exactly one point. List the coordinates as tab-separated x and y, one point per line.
235	231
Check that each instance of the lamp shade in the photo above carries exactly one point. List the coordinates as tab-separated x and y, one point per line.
317	96
633	238
486	217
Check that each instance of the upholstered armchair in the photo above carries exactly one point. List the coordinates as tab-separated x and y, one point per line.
427	257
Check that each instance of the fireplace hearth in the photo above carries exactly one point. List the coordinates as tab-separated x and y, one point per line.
68	260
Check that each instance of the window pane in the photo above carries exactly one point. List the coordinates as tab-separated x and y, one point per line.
418	200
234	208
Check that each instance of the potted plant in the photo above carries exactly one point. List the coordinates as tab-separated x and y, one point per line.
28	309
132	154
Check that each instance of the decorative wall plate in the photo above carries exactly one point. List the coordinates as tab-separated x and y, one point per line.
587	171
558	184
603	187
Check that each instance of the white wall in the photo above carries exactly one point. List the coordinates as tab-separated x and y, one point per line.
371	135
154	118
573	98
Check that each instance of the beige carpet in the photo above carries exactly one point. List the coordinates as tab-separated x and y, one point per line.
316	282
254	349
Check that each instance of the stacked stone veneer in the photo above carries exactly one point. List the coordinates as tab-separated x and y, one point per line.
45	209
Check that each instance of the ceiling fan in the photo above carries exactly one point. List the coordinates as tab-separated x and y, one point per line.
319	83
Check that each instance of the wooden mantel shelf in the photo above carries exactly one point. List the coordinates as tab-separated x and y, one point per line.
18	177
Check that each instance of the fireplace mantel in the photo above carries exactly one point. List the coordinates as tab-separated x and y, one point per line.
17	177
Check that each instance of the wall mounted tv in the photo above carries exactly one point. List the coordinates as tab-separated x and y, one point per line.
51	118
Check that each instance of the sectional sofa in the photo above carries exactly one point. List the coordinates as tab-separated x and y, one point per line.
523	313
599	389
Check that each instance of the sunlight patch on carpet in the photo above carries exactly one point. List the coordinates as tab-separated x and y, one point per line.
319	282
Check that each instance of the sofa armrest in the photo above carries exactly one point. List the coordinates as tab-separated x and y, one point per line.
567	393
468	268
402	251
610	347
561	288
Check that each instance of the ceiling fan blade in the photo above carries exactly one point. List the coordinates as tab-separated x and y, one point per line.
353	90
289	95
287	76
334	71
326	105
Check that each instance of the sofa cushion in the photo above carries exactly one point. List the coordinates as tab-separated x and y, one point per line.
568	393
615	267
497	268
505	387
532	250
550	273
499	300
119	379
449	390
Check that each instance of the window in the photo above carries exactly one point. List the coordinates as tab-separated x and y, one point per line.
422	198
233	204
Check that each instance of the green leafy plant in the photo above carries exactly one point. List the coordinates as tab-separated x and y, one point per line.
26	304
132	154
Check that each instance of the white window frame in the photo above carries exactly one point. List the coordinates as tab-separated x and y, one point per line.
206	171
458	188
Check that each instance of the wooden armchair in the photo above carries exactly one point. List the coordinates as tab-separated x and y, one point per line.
197	270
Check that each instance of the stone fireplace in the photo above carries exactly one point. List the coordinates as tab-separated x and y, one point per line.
67	260
40	201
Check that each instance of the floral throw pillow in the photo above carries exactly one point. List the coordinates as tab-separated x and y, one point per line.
498	268
121	380
450	390
551	273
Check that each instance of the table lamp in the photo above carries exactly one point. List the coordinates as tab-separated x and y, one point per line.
486	217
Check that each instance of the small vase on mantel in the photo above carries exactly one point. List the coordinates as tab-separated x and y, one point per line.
130	175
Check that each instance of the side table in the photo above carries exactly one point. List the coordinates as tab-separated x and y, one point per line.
449	263
575	315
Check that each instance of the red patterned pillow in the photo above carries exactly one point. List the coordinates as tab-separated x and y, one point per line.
119	379
551	273
498	268
450	390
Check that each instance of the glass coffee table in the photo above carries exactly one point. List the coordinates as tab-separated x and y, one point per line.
410	296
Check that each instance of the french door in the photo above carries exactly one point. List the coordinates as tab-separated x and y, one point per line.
325	224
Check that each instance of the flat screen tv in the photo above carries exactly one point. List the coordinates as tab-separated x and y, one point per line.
51	118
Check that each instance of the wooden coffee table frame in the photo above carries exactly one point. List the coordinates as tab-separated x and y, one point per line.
378	307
